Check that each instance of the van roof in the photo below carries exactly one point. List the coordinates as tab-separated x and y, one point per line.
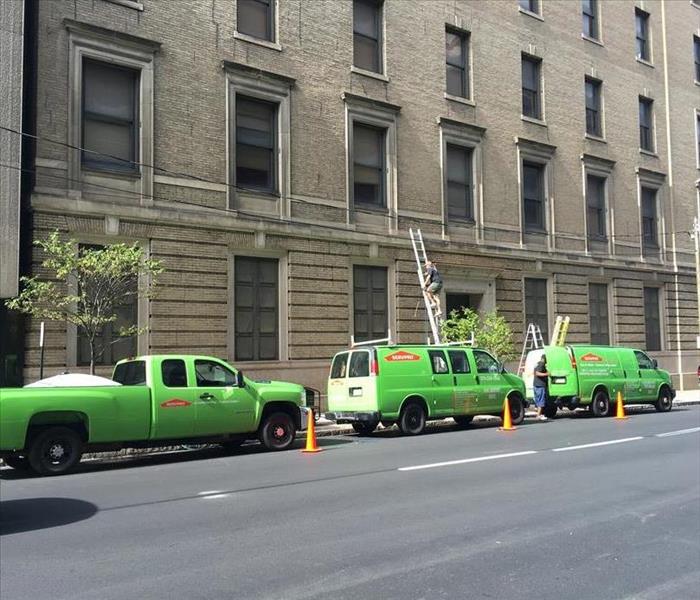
428	346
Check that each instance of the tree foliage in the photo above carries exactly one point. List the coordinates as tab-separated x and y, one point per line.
491	332
87	286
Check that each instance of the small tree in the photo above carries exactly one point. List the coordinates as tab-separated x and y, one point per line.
491	332
88	286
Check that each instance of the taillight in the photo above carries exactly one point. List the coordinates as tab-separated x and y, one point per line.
573	361
374	367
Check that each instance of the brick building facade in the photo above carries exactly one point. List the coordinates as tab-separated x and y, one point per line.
273	154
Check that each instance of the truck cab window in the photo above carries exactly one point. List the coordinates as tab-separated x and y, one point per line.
359	364
643	360
485	363
173	372
130	373
212	374
340	366
458	360
438	362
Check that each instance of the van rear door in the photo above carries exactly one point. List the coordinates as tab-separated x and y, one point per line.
337	381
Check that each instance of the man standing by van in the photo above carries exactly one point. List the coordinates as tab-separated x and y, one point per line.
539	384
433	285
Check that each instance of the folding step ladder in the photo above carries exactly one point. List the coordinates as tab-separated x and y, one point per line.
421	258
533	341
561	328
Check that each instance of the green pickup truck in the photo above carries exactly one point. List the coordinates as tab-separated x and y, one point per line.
159	400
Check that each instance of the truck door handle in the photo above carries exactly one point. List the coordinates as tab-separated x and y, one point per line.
207	396
454	379
477	379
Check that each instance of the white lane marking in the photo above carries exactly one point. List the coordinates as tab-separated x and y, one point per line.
596	444
463	461
213	496
210	492
678	432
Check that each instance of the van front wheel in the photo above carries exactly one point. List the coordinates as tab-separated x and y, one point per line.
412	420
600	407
517	410
665	402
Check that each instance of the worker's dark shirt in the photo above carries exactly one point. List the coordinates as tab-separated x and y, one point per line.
540	381
433	275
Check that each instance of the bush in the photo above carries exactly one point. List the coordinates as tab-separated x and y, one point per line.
491	332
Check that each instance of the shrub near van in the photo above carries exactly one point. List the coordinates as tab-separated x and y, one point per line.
410	385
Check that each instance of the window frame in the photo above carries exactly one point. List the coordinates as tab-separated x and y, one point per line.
542	200
647	132
650	246
382	133
465	45
526	313
591	17
696	58
650	318
599	334
600	206
646	55
536	93
272	23
534	7
371	334
597	110
469	216
378	6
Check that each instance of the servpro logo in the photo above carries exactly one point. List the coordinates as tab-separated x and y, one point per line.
174	403
402	356
590	357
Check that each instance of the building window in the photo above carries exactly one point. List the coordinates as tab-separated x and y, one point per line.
652	318
110	346
595	207
598	309
533	197
256	18
532	6
256	144
369	158
459	182
697	137
642	33
256	317
537	305
594	122
646	124
650	239
110	116
696	50
457	60
589	10
370	303
532	104
367	34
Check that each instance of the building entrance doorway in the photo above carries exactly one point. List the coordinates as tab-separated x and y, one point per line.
457	301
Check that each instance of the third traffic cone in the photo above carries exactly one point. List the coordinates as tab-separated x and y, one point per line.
620	407
311	445
507	422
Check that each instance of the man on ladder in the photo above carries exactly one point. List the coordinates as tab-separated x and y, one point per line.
433	285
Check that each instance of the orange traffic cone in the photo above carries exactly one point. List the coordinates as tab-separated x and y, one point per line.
620	407
311	445
507	422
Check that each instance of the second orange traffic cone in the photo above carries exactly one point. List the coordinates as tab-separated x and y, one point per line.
311	445
620	407
507	421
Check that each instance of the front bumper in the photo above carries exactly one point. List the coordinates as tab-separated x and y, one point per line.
304	416
341	417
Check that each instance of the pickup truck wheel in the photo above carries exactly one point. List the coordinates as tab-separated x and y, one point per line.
600	407
517	410
365	427
55	451
664	402
463	420
18	462
277	431
550	411
412	419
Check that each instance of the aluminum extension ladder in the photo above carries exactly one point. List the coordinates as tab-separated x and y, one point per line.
421	258
533	341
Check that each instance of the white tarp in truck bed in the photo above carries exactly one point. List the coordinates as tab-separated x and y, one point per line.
73	380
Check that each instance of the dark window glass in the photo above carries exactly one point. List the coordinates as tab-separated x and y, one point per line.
697	135
643	360
459	362
532	106
370	303
368	165
340	365
533	197
649	219
696	47
642	33
367	34
652	319
646	133
536	305
256	18
110	117
256	144
459	182
485	363
595	207
457	62
589	9
173	372
530	5
256	308
593	113
359	364
130	373
438	362
598	308
213	374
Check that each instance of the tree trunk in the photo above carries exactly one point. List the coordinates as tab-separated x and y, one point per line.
92	357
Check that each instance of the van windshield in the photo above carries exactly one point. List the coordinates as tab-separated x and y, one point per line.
340	366
359	364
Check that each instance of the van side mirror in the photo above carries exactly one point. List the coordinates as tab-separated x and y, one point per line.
240	382
502	369
655	363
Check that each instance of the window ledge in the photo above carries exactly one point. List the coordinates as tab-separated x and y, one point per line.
370	208
697	83
644	62
529	13
372	74
252	193
112	174
593	40
244	37
135	4
460	99
595	138
533	120
648	153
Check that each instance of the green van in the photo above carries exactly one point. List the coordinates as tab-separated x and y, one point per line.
409	385
591	376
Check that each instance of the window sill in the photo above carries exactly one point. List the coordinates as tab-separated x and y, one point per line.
372	74
533	231
595	138
533	120
250	192
644	62
460	99
370	208
650	153
529	13
462	221
697	83
244	37
107	173
588	38
135	4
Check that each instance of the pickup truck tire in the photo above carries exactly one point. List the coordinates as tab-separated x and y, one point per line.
664	403
517	409
365	427
412	419
600	405
277	431
54	451
463	420
18	462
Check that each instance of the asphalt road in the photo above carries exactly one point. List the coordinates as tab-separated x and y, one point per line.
525	514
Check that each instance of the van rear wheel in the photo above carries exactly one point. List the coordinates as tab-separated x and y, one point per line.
412	419
600	407
664	402
365	427
550	410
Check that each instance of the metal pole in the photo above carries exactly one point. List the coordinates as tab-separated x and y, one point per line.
41	355
696	237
